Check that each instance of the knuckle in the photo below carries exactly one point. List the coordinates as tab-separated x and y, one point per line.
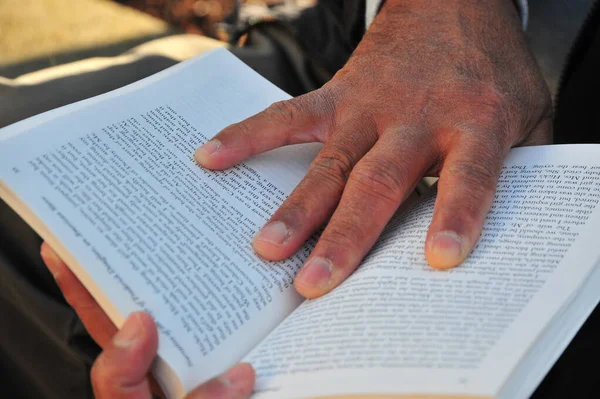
489	110
324	104
332	169
286	112
380	180
510	108
475	175
484	106
242	128
323	100
337	87
334	166
296	209
345	233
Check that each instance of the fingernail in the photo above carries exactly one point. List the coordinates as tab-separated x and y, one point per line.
275	233
316	273
209	148
129	333
447	245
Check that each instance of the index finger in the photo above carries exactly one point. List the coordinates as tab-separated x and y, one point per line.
300	120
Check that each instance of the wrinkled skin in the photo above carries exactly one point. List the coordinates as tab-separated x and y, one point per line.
433	89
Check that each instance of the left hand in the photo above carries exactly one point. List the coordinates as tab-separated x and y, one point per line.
122	370
434	88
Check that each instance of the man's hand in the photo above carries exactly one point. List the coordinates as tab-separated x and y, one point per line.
123	368
441	88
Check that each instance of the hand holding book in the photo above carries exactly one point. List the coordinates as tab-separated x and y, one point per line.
123	368
112	187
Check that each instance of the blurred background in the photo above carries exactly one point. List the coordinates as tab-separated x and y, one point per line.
36	34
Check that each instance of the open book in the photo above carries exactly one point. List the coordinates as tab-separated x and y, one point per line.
111	185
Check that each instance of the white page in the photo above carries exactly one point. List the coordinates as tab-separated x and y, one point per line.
399	327
116	184
554	340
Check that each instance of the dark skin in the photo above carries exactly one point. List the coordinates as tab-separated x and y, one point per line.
441	88
434	89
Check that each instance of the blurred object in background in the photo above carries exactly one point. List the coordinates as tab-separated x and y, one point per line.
218	18
553	26
191	16
52	31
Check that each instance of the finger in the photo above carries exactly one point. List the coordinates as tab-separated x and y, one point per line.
236	383
317	195
121	369
300	120
465	193
377	186
100	327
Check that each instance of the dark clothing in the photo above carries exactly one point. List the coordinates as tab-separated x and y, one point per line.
578	121
330	32
44	349
578	108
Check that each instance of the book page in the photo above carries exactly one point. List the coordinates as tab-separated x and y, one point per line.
115	184
397	326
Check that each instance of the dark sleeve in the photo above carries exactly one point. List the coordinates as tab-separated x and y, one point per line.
577	106
330	31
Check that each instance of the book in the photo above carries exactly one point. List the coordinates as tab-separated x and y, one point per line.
111	184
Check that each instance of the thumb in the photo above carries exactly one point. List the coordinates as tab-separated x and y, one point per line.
121	370
235	383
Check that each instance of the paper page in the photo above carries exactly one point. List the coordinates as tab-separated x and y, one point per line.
116	184
396	326
549	346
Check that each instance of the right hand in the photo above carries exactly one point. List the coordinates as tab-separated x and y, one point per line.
435	88
122	370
